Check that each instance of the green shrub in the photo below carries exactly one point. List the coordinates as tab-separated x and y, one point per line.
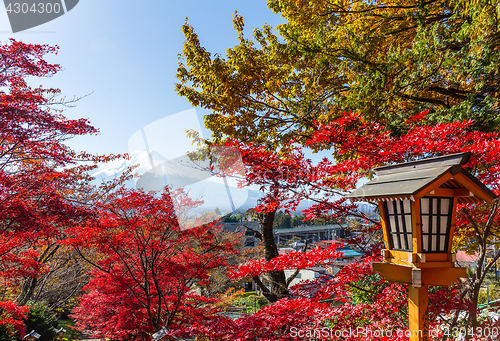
251	302
5	334
42	320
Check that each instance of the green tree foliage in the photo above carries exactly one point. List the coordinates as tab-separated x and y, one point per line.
255	92
230	218
42	320
391	59
251	302
387	60
286	221
282	220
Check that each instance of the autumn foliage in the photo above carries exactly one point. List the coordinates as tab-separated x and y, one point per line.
37	169
373	82
363	298
147	267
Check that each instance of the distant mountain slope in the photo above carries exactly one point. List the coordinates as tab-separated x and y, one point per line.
144	158
157	172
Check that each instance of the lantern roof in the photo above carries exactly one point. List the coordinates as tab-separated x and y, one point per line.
32	334
409	179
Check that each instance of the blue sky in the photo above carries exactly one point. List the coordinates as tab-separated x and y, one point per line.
125	54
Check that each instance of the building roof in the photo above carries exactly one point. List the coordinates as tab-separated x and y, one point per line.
404	180
308	229
462	256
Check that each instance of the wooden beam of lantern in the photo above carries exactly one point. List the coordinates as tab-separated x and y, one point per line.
417	202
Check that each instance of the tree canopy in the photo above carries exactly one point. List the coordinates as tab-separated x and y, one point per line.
375	82
386	60
148	266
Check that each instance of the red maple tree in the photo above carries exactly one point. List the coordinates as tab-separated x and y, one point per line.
358	147
146	266
38	170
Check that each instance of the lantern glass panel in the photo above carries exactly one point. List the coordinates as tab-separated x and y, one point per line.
436	223
443	225
390	209
425	224
445	207
424	205
407	205
398	213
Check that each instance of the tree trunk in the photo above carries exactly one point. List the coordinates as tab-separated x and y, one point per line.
278	288
483	232
27	291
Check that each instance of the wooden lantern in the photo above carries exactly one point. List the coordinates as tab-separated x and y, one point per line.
417	202
60	333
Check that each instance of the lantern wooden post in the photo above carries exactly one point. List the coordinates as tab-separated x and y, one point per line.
418	294
418	307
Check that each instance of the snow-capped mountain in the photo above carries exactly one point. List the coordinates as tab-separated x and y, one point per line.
146	159
156	172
